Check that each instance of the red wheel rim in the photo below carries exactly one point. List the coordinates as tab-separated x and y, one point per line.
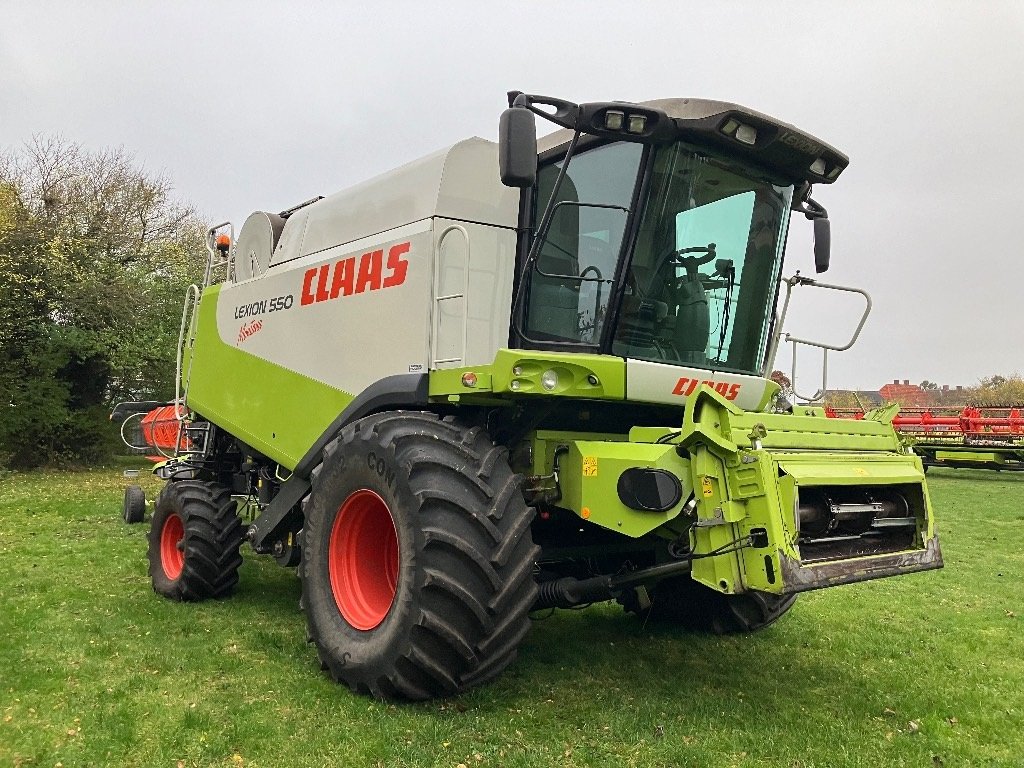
362	559
171	557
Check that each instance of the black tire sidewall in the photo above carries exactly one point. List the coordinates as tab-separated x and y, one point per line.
134	509
210	544
361	464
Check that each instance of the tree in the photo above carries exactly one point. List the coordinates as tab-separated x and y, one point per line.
784	383
845	400
998	390
94	260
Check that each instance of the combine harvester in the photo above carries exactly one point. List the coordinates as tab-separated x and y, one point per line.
985	437
526	375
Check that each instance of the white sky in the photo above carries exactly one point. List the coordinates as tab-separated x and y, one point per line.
259	105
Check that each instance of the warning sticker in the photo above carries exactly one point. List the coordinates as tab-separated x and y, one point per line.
590	466
705	486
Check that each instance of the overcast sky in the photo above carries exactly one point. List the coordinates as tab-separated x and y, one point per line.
252	106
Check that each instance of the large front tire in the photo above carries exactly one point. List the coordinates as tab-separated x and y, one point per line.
417	557
686	603
194	538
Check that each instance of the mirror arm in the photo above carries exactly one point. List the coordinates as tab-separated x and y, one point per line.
566	113
808	206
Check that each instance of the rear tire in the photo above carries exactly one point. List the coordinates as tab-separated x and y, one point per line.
194	538
683	602
417	557
134	510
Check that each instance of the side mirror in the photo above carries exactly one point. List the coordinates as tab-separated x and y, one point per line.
822	244
517	147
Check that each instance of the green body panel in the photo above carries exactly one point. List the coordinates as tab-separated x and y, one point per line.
982	457
519	371
853	469
547	444
589	474
283	413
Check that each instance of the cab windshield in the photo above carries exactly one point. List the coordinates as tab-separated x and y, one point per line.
699	289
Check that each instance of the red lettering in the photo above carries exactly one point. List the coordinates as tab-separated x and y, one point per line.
343	276
686	386
398	266
307	287
321	283
369	271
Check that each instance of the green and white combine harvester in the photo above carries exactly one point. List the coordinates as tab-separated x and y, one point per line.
527	375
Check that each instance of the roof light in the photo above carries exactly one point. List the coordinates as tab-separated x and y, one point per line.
730	126
613	119
637	123
818	166
835	172
747	134
223	243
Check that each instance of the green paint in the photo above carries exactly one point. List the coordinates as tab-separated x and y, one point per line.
746	471
520	371
276	411
981	457
589	474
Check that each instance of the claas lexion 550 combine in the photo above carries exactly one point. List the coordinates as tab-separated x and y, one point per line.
522	375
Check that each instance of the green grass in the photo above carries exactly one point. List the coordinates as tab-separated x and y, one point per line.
97	670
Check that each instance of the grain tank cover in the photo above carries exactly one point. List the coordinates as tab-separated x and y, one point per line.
256	242
458	182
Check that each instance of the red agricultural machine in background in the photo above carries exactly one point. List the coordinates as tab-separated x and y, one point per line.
985	437
155	431
153	428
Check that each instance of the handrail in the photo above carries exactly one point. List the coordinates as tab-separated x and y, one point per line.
214	258
779	336
188	314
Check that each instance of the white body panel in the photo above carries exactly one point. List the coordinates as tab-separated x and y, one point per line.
348	341
473	292
660	383
401	274
458	182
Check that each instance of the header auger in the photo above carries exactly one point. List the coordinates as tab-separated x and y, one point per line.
526	375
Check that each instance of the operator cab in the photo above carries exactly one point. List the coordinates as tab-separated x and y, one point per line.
663	245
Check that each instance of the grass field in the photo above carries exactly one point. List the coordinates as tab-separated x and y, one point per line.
926	670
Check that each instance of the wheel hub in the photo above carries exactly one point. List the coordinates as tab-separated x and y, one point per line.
363	559
172	547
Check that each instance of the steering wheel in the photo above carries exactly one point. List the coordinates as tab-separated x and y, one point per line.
690	263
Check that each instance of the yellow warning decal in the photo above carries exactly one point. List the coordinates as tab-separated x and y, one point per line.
590	466
705	486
